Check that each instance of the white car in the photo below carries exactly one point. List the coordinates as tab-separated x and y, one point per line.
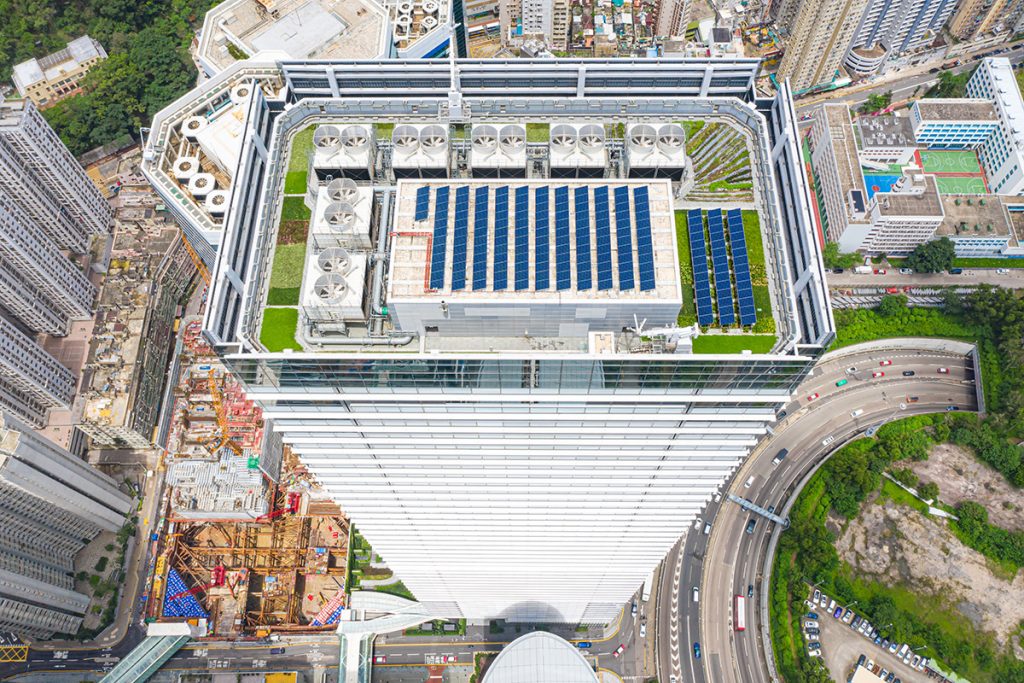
1002	271
643	629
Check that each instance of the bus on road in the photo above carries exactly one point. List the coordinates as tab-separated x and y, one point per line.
739	612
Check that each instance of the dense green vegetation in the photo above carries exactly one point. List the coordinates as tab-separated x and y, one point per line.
807	554
148	65
876	102
758	272
835	259
950	84
994	318
688	312
932	257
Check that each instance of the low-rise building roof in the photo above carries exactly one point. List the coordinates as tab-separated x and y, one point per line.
540	657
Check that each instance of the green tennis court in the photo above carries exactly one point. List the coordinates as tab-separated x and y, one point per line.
954	185
959	161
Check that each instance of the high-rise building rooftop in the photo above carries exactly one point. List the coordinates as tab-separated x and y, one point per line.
499	314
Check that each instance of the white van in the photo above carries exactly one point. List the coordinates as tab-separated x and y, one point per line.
857	413
828	440
696	593
750	480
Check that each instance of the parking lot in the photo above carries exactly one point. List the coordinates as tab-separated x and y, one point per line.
842	646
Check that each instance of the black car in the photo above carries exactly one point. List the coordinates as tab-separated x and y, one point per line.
933	71
861	660
837	271
750	590
909	373
750	526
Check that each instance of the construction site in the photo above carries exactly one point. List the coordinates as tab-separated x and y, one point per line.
248	543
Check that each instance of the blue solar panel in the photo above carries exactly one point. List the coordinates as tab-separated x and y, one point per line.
501	237
624	238
481	216
542	244
741	269
699	258
563	255
644	242
440	241
720	260
583	276
603	231
422	203
460	238
522	238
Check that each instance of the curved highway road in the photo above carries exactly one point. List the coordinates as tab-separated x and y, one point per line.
728	561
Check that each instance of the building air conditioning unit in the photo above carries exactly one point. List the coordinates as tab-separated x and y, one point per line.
336	286
420	151
577	150
656	151
240	93
217	203
202	184
498	151
344	151
192	126
343	215
185	168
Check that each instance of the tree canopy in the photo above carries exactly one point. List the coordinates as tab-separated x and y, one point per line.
932	257
148	66
835	259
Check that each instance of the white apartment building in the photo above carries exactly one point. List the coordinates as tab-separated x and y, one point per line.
31	380
464	382
889	28
51	505
57	282
47	162
1002	155
548	19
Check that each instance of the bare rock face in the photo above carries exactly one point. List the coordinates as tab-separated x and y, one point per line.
900	546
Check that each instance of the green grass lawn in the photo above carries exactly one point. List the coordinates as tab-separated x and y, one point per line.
278	331
302	147
988	262
538	132
286	274
758	274
398	588
383	131
295	209
691	127
733	343
688	313
892	491
295	182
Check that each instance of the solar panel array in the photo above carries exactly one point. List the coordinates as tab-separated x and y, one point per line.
720	262
589	216
724	270
460	238
422	203
698	255
741	268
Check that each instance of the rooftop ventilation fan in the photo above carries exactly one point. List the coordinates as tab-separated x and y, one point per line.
563	137
406	138
591	138
512	138
433	139
485	138
327	137
343	190
334	260
355	138
428	24
643	138
340	215
405	7
330	287
671	138
430	6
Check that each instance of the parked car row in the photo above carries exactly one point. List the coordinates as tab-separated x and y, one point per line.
859	624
